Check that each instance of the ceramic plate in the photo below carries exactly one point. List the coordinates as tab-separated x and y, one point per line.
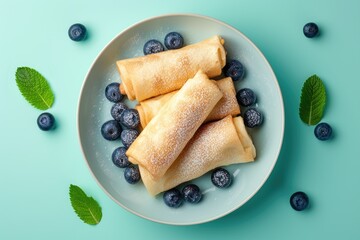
94	110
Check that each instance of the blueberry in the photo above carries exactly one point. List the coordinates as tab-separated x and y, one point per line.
153	46
173	40
252	118
192	193
310	30
221	178
77	32
299	201
235	70
46	121
173	198
246	97
323	131
119	157
128	136
112	92
117	109
111	130
130	118
132	174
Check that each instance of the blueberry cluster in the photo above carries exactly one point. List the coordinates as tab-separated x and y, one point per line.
191	193
172	40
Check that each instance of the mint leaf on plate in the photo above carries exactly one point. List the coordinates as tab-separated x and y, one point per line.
313	100
34	87
87	208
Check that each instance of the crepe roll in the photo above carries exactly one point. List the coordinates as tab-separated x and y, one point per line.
215	144
155	74
227	105
166	135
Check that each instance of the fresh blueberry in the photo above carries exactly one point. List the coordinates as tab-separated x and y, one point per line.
299	201
192	193
235	70
112	92
173	40
130	118
132	174
173	198
117	109
119	157
77	32
153	46
221	178
128	136
46	121
252	118
323	131
310	30
246	97
111	130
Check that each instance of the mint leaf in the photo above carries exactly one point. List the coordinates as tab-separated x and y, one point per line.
85	207
34	87
312	102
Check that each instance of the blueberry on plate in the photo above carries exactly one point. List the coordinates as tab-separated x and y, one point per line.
130	118
173	40
252	118
323	131
221	178
153	46
117	109
112	92
119	157
46	121
235	70
192	193
128	136
132	174
299	201
111	130
310	30
173	198
246	97
77	32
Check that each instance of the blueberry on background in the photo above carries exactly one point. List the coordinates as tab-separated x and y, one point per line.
77	32
173	198
111	130
252	118
192	193
221	178
299	201
128	136
46	121
119	157
153	46
117	109
130	118
246	97
234	69
323	131
173	40
112	92
311	30
132	174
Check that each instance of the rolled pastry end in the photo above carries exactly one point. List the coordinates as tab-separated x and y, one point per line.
245	138
142	115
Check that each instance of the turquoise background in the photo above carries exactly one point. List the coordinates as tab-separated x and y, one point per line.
38	167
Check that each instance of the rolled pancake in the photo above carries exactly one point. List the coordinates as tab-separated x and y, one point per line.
155	74
227	105
163	139
215	144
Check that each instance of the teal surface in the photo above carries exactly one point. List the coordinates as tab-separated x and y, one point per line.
38	167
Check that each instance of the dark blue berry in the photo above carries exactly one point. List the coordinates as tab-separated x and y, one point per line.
153	46
252	118
77	32
117	109
132	174
173	198
173	40
128	136
130	118
46	121
221	178
323	131
299	201
119	157
310	30
112	92
111	130
235	70
192	193
246	97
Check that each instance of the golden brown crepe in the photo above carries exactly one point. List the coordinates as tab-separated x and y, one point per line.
163	139
155	74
